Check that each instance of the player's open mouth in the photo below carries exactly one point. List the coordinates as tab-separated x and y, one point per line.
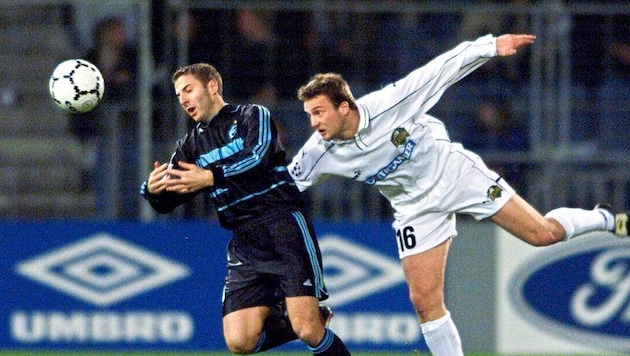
190	110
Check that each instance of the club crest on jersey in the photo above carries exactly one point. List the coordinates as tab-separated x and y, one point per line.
494	192
399	136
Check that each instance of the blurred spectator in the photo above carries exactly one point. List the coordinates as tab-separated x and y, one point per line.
293	33
488	97
251	64
614	93
479	21
496	129
173	32
116	58
333	44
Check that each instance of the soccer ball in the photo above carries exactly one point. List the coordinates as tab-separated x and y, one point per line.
76	86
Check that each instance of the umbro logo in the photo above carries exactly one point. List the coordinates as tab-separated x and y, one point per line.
102	270
353	271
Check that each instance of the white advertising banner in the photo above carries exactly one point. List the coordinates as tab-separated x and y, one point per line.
572	297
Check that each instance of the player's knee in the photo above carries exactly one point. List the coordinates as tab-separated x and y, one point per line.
311	334
241	346
427	305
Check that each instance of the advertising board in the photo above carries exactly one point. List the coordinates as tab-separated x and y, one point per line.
132	286
572	297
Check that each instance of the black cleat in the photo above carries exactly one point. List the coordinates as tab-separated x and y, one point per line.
326	314
621	220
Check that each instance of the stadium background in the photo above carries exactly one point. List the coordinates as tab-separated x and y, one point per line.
568	97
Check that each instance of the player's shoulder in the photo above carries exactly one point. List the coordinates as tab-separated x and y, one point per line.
253	111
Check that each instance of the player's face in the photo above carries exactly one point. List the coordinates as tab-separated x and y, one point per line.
326	118
194	97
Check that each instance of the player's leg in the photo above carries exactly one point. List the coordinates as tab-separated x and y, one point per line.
523	221
308	324
425	274
303	283
243	329
480	192
253	303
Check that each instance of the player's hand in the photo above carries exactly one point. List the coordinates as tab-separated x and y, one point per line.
189	179
156	183
508	44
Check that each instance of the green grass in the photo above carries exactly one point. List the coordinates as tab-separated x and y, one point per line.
145	353
157	353
148	353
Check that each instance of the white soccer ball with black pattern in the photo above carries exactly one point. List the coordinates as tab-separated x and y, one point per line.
76	86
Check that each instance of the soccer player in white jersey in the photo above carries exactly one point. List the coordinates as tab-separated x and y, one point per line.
386	139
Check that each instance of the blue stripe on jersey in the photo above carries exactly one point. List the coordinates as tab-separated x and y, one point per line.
259	150
218	192
312	253
274	186
220	153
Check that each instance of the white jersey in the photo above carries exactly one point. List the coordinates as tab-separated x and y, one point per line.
395	147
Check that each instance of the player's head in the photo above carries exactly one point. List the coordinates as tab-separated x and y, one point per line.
331	85
198	88
203	72
330	106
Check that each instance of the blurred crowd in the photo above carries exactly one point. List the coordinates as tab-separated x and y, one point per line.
267	55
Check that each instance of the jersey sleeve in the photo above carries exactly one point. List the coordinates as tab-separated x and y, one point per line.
421	89
303	166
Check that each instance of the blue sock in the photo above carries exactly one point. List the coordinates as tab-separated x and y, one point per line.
324	345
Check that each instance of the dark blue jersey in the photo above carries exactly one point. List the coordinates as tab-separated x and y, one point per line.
240	146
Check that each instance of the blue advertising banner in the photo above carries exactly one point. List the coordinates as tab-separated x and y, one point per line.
132	285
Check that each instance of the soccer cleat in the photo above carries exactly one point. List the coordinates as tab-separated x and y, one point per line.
279	309
326	314
621	220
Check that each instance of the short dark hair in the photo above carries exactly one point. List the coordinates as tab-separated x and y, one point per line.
331	85
204	72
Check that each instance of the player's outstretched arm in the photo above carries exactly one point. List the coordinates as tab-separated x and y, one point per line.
508	44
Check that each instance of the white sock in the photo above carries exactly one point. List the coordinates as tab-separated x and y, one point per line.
442	337
579	221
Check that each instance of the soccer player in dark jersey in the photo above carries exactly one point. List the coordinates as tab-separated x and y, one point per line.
233	154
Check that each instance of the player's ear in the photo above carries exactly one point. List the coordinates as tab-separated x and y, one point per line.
213	86
344	108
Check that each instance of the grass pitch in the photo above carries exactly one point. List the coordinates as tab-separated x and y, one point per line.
148	353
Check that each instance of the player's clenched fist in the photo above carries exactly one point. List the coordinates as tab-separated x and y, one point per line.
508	44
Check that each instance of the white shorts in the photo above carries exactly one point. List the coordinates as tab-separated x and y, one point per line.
467	186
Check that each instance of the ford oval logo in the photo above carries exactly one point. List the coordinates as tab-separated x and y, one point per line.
578	290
